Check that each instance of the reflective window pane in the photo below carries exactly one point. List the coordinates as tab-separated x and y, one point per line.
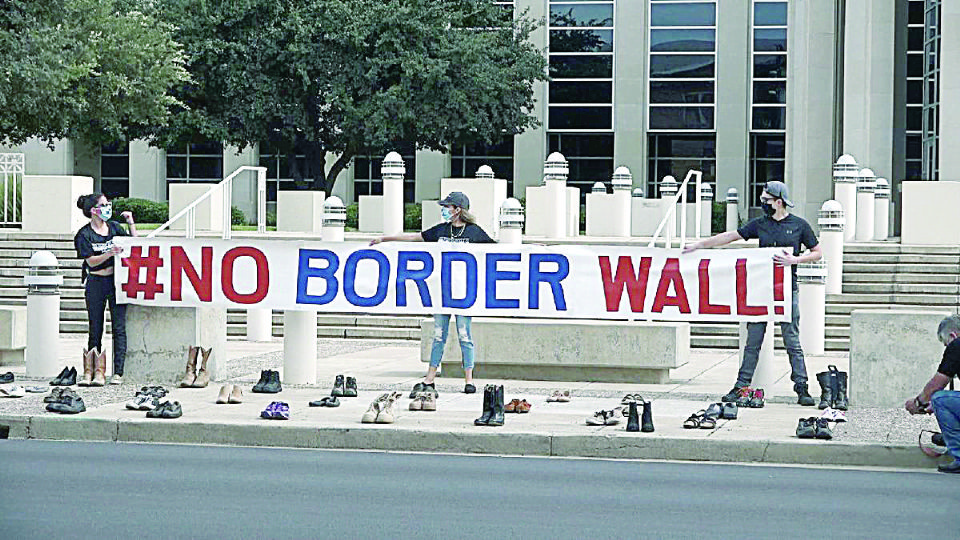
914	118
115	166
681	91
206	148
581	92
683	14
176	167
916	13
914	65
682	40
770	92
770	14
581	117
206	167
770	66
915	91
666	66
769	146
770	39
581	40
572	144
681	117
576	67
684	146
915	38
914	147
769	118
596	15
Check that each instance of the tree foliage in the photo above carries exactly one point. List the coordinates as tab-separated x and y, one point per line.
336	78
85	69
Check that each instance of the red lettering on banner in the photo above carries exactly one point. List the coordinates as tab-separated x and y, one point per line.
742	307
778	288
180	264
705	306
671	274
636	285
263	275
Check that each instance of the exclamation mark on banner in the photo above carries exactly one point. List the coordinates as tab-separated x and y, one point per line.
778	289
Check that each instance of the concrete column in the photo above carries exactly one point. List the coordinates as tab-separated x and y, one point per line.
732	117
733	211
300	347
865	205
630	88
668	190
244	189
511	222
949	92
831	222
40	159
811	278
706	209
159	339
148	171
334	220
530	147
392	170
845	174
765	374
43	281
259	324
622	185
431	167
555	171
881	217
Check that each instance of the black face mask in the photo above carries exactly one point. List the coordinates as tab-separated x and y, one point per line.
768	209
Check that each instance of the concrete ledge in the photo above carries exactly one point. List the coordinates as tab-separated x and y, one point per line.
17	427
72	427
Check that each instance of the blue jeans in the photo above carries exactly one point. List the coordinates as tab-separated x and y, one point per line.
791	341
946	405
441	324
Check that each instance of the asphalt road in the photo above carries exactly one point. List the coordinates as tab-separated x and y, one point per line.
107	490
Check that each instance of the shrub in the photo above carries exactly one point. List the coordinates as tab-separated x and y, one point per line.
13	208
412	217
271	219
237	217
353	216
144	210
719	221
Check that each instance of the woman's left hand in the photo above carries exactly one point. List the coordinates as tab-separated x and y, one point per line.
128	216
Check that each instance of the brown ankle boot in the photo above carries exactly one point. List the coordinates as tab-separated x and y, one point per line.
99	369
190	375
89	357
203	376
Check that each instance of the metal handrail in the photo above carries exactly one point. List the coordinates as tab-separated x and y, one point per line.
11	171
681	196
226	184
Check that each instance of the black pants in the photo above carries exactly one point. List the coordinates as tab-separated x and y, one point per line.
100	291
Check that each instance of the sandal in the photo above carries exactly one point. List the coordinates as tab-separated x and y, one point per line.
631	398
707	423
555	396
694	421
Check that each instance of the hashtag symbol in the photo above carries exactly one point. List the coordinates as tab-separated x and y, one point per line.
135	262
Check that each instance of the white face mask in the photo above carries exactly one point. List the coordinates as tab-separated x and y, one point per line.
105	212
446	214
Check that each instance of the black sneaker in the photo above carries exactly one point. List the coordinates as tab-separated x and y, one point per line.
6	377
350	388
272	386
803	396
417	388
469	389
823	429
431	389
807	428
338	387
264	375
69	404
731	396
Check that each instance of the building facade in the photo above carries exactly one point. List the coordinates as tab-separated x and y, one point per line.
744	90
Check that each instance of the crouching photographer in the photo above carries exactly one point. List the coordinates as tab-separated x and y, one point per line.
945	404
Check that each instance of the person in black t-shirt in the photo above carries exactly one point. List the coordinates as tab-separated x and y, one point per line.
777	228
94	244
945	404
459	226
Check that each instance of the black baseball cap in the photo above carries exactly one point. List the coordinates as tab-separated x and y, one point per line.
456	198
778	190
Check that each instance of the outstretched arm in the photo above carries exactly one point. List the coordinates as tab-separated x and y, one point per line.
402	237
721	239
921	403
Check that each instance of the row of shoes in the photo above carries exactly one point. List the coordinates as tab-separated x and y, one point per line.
833	388
381	410
147	398
269	383
193	377
276	410
630	408
707	418
18	391
344	387
230	393
814	428
166	409
64	401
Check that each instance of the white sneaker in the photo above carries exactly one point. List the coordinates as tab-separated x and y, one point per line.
148	403
116	379
12	391
834	415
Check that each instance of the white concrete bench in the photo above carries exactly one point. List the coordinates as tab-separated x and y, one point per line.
566	350
893	353
13	335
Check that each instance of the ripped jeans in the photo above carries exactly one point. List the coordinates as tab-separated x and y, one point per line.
441	325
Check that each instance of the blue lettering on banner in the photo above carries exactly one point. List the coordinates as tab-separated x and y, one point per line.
305	272
419	277
470	297
493	276
553	278
350	275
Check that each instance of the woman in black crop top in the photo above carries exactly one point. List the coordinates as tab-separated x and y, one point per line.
94	244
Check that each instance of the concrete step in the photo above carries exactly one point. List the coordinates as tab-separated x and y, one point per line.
901	268
889	247
899	258
895	298
354	332
846	308
240	318
901	288
916	279
15	253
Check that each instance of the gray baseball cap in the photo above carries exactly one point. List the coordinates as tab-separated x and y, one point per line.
456	198
779	190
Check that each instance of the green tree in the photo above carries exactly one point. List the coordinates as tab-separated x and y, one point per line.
336	78
87	69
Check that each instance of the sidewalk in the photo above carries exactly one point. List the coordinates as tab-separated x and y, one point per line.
871	437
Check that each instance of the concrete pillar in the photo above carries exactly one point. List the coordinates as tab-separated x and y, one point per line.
530	147
766	374
706	209
949	111
622	184
160	339
148	171
300	347
629	87
43	281
259	324
881	209
555	171
831	222
392	170
244	187
431	167
668	190
511	222
334	220
733	212
811	278
865	205
733	88
845	174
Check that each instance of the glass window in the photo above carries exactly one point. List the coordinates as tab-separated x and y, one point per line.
594	15
367	179
206	167
914	147
581	118
581	92
766	163
670	66
915	38
114	166
585	67
769	146
572	144
770	14
916	13
681	91
675	155
915	91
770	92
682	40
914	118
581	40
698	14
681	117
195	161
914	65
466	159
769	118
176	166
770	39
770	66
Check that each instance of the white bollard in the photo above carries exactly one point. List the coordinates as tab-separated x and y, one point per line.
511	222
706	210
865	205
43	281
881	210
733	211
300	347
334	219
392	170
831	222
259	324
811	279
622	185
555	171
765	374
845	174
668	190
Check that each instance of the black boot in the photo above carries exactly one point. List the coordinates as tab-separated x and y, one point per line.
826	390
840	395
272	386
338	387
803	395
496	419
488	397
646	421
633	417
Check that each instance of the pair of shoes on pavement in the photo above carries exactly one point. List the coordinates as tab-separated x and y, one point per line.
67	402
166	410
67	377
328	401
12	391
230	393
814	428
521	406
344	387
147	398
603	418
381	410
424	401
700	420
745	396
95	369
192	376
724	411
424	387
559	396
834	415
276	410
269	382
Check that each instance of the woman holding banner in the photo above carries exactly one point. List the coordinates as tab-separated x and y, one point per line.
459	226
94	244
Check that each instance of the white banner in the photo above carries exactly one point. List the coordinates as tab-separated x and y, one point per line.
577	282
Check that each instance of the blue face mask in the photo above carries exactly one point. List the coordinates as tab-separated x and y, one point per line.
105	212
446	214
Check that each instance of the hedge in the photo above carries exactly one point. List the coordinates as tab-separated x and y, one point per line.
147	211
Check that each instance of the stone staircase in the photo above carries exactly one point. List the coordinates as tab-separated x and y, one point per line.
879	275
